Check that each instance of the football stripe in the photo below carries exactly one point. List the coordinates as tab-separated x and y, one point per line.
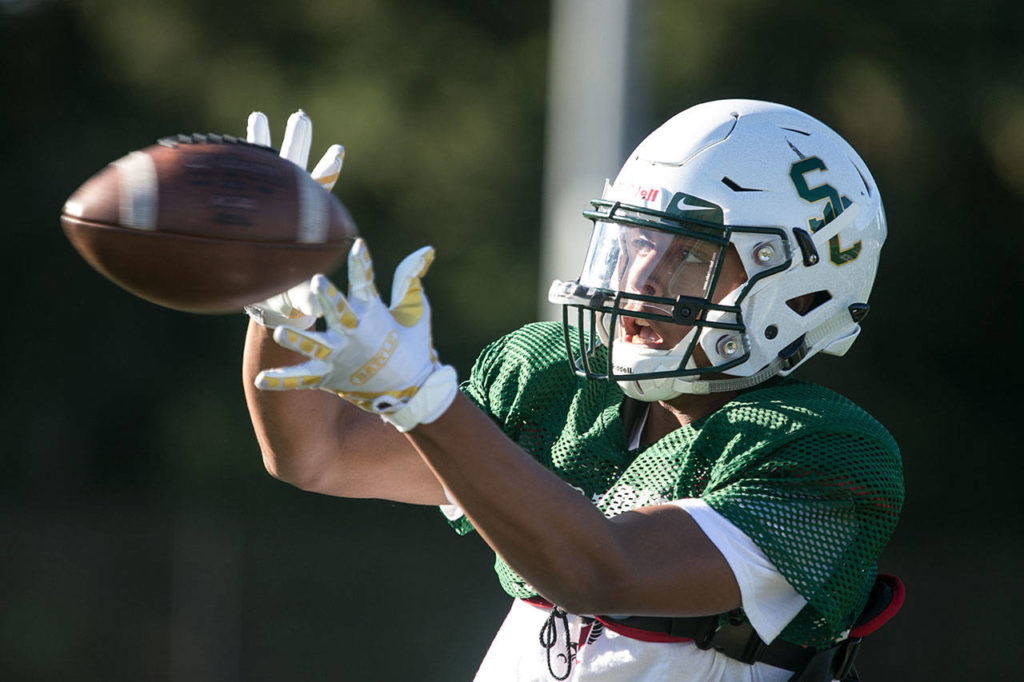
313	210
137	191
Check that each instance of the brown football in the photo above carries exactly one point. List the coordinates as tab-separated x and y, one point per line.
206	223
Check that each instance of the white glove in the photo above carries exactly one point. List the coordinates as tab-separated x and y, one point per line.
297	307
381	359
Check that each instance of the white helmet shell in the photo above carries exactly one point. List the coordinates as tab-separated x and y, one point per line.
750	164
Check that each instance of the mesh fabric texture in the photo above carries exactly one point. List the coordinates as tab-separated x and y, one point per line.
813	480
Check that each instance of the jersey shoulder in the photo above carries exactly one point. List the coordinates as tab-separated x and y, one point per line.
800	433
528	366
788	409
536	345
817	484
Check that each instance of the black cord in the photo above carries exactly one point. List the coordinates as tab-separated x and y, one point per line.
549	638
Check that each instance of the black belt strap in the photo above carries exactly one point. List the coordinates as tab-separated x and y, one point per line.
738	640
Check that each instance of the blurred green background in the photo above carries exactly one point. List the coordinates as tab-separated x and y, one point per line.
139	535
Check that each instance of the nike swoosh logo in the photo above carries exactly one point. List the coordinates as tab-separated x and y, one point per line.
683	206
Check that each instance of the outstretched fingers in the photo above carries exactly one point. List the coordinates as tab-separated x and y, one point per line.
360	273
328	169
307	343
257	129
298	136
335	308
407	300
290	378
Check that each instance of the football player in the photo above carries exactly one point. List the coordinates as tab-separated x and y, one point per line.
665	500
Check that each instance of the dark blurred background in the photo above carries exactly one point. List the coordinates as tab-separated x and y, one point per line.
140	537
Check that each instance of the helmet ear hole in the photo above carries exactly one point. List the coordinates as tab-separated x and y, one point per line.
805	303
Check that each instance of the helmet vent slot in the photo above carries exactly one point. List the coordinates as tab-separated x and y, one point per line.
867	186
736	187
804	304
798	132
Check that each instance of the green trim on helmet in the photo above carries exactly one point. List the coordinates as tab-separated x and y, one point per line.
823	192
841	256
697	209
676	223
586	349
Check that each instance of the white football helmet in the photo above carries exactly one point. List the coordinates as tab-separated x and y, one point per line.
661	286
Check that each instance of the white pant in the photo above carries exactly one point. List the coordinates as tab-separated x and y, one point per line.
516	655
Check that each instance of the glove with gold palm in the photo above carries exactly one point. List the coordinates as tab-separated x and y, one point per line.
379	358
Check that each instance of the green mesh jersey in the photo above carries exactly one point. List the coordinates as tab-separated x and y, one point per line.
813	480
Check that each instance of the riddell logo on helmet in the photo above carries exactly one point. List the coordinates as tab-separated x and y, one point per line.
647	194
644	193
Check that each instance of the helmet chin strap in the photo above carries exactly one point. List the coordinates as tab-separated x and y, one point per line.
667	388
836	327
723	385
652	390
649	390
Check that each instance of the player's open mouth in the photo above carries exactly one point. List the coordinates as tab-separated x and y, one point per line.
639	331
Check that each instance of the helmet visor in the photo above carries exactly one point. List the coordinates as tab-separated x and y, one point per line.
652	264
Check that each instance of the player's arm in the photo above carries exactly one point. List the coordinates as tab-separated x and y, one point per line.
654	561
315	440
321	443
651	561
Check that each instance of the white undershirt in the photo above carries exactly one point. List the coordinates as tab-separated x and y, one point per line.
768	600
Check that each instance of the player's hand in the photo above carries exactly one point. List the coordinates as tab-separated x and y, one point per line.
297	307
379	358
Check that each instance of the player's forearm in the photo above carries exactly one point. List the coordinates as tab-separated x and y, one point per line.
652	561
321	443
546	530
285	423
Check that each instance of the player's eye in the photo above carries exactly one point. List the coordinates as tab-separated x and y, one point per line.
641	245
